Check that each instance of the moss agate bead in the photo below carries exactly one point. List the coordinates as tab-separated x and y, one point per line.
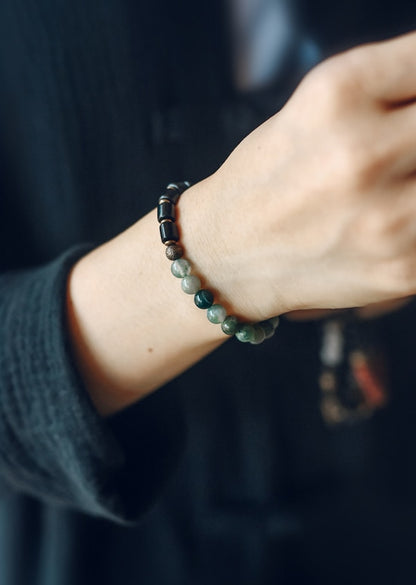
180	268
245	333
204	299
259	335
216	314
268	328
190	284
230	325
274	321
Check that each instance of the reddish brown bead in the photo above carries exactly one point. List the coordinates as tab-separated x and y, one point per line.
174	252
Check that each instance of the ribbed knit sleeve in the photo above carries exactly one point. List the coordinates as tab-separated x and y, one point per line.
53	443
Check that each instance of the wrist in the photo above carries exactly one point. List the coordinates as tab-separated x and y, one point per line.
230	263
131	327
204	298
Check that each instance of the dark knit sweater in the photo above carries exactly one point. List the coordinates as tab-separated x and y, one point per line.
228	474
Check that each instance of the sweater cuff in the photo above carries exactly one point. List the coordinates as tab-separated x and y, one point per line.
53	443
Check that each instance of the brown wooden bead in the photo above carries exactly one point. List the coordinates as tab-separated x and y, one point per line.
174	252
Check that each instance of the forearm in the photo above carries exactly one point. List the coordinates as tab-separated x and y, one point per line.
132	327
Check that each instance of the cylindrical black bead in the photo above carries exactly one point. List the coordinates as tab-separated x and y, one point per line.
174	191
179	185
166	210
168	232
174	252
171	195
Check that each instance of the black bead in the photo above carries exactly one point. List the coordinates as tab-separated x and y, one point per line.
174	191
170	195
168	232
179	186
166	210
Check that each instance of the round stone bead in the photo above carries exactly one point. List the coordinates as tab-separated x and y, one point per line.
268	328
190	284
259	335
216	314
204	299
274	321
180	268
245	333
174	252
230	325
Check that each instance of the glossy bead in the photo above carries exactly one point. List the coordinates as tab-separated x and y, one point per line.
174	191
245	333
180	268
204	299
180	186
168	231
216	314
174	252
166	210
274	321
259	335
190	284
268	328
230	325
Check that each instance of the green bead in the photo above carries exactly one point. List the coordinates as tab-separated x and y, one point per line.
268	328
190	284
245	333
204	299
274	321
230	325
259	335
180	268
216	314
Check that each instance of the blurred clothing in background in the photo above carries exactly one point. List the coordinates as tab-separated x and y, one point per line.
229	474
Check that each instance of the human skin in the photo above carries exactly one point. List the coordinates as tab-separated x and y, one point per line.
315	209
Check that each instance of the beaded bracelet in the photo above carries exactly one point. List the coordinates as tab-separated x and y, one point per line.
254	333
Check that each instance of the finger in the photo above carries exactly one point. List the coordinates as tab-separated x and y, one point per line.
388	69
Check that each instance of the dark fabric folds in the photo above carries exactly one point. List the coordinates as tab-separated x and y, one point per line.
53	443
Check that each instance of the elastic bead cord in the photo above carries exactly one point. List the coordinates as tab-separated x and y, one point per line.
254	333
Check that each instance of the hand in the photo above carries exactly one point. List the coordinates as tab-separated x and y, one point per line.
317	207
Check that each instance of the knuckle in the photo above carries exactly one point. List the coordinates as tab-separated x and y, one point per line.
336	83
